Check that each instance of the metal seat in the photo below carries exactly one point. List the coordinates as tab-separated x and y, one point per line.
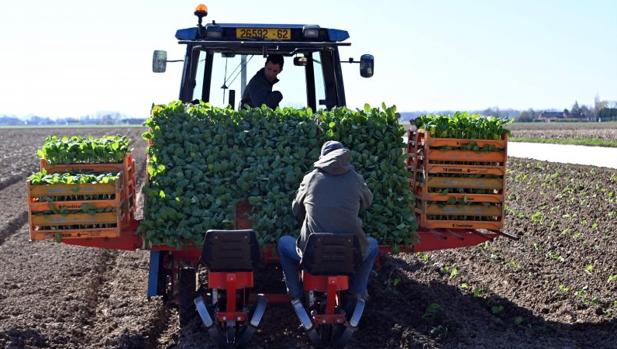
327	262
230	256
230	250
330	254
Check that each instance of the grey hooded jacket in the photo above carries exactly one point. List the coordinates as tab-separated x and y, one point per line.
330	198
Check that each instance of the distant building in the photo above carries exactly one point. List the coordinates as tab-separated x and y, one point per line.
548	116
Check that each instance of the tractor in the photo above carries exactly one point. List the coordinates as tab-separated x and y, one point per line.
230	307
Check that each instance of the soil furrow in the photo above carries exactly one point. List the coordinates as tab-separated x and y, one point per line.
14	215
14	179
45	291
13	226
121	295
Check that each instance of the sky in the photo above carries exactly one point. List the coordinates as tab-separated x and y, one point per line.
74	58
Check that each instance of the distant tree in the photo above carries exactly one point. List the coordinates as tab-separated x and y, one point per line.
599	104
527	116
37	120
576	109
10	121
587	113
496	112
607	114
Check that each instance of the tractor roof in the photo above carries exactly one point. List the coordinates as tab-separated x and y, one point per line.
249	38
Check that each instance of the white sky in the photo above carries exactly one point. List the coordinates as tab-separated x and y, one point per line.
73	58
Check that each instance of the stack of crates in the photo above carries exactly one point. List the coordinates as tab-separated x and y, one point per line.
458	183
114	203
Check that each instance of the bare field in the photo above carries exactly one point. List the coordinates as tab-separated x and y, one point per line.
555	287
587	133
562	125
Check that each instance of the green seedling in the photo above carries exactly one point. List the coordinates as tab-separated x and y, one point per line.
464	125
514	264
43	178
478	292
78	149
563	288
582	293
555	256
496	309
454	271
537	217
430	311
612	278
565	232
589	269
425	257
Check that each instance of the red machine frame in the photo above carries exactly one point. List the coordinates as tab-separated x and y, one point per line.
231	283
331	285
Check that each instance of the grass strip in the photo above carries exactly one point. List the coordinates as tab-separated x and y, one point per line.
575	141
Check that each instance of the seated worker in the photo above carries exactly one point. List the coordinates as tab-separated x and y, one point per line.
329	200
259	89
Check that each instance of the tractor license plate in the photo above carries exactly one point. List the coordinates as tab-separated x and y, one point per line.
263	34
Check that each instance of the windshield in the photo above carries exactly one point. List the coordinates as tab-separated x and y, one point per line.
227	77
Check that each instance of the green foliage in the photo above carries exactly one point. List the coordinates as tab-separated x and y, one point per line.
452	271
463	125
478	292
518	320
203	160
537	217
431	310
497	309
555	256
42	178
78	149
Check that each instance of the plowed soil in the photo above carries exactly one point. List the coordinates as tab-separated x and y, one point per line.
554	287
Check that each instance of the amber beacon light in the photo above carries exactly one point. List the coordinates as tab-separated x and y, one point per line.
201	10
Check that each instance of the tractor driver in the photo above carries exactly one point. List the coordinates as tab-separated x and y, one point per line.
259	89
329	200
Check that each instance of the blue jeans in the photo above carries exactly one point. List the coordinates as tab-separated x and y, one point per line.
290	262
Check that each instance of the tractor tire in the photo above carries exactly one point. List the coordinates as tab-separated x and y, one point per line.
187	282
165	282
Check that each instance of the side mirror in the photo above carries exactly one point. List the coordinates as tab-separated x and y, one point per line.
367	65
300	61
159	61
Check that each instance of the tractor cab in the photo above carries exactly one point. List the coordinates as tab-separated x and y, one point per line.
217	54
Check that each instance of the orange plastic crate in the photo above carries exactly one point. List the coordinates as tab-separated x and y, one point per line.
445	181
71	224
126	167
